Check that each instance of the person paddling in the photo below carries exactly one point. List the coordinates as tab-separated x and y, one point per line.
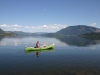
37	44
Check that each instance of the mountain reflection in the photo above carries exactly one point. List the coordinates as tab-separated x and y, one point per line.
78	41
1	37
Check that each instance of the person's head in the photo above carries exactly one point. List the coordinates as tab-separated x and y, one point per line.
37	41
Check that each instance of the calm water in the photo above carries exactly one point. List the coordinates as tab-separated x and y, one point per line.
71	56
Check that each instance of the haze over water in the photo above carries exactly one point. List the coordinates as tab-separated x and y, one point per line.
71	56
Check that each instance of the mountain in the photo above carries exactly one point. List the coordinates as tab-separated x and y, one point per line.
21	33
41	32
1	31
77	30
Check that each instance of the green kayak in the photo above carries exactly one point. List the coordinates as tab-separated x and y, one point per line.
41	48
34	51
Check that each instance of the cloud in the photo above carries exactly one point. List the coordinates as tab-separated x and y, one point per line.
50	28
4	25
10	26
17	26
14	27
94	24
26	27
42	28
53	26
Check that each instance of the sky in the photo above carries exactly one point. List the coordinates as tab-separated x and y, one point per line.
48	15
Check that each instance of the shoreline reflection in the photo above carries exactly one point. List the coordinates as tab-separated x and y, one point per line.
58	41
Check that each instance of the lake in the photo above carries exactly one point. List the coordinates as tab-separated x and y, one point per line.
72	55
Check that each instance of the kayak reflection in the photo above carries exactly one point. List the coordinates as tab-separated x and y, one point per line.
38	52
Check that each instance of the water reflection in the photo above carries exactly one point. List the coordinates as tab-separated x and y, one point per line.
58	41
1	37
12	41
62	60
30	41
38	52
78	41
